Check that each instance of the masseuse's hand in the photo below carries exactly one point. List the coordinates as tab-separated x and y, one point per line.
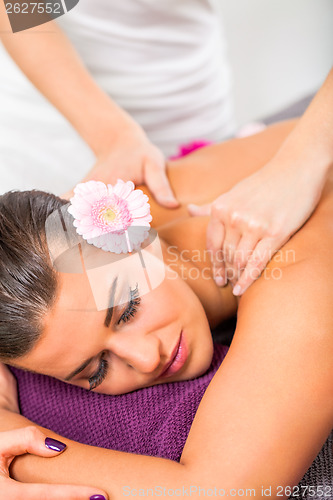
120	145
131	156
30	440
256	217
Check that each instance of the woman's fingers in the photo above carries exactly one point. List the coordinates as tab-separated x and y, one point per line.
157	181
27	440
17	491
8	390
256	263
215	238
32	440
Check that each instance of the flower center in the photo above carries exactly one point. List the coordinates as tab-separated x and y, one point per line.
108	215
111	214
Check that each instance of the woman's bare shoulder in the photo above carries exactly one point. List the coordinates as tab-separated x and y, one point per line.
271	403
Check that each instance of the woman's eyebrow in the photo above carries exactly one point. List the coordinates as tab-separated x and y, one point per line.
109	311
107	322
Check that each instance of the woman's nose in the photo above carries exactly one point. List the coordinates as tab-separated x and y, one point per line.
141	352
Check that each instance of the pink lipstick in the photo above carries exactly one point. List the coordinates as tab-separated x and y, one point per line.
178	358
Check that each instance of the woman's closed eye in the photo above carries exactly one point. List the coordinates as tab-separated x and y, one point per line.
132	306
101	373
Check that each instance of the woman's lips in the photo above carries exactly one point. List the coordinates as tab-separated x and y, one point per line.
178	359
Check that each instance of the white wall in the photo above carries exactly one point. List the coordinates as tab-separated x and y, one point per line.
279	50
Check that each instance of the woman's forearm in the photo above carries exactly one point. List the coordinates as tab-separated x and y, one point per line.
268	409
261	422
122	474
265	414
48	59
89	465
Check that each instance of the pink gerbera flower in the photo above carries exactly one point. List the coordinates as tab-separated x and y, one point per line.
114	218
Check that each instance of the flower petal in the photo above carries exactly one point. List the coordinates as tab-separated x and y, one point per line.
123	189
114	218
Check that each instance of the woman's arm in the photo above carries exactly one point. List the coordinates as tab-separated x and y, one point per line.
31	440
269	406
268	409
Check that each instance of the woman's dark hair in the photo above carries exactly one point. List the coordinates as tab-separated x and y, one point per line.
28	281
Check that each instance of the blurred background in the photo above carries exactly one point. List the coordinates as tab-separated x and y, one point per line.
279	50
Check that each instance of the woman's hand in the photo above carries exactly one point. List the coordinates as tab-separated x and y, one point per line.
131	156
8	390
32	440
252	221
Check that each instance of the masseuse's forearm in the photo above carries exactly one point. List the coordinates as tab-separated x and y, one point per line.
310	144
48	59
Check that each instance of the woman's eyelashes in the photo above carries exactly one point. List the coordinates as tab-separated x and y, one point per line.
132	306
129	313
101	373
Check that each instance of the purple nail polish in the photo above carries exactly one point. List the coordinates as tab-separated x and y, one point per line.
97	497
54	445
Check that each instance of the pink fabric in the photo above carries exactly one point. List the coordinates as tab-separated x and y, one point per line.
186	149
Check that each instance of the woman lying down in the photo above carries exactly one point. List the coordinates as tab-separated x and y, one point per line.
268	407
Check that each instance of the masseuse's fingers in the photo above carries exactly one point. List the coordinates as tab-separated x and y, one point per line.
199	210
215	238
257	262
32	440
231	240
245	249
157	181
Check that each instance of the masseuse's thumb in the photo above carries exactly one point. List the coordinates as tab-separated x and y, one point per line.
157	181
199	210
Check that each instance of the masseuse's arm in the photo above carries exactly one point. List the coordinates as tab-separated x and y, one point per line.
48	59
258	215
269	408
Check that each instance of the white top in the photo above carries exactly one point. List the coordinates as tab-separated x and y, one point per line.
161	60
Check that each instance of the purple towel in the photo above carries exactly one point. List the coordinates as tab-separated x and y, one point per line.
153	421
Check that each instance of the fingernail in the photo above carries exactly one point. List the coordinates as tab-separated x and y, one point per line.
97	497
219	280
172	201
54	445
191	206
237	289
